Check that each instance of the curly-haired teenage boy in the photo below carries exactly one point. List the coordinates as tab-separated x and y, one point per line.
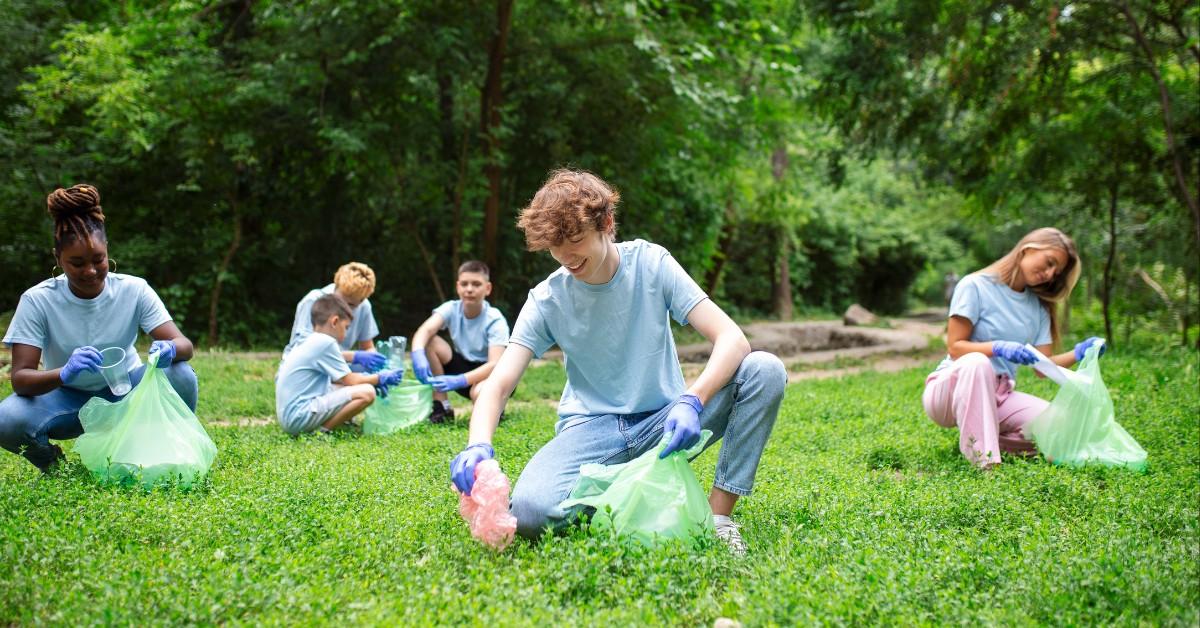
607	309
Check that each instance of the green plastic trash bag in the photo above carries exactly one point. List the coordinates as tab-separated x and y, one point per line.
646	499
148	437
406	404
1079	427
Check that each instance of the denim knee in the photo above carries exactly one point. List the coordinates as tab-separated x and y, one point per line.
183	379
534	512
765	370
14	423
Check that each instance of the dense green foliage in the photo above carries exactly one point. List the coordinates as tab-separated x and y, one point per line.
805	155
864	513
1081	115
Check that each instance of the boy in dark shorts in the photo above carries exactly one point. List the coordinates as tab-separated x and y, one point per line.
478	332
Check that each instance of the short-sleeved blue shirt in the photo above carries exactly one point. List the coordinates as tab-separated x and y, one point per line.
615	337
473	336
363	327
998	312
51	318
307	372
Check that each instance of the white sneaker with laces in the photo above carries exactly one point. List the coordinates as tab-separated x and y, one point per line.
730	533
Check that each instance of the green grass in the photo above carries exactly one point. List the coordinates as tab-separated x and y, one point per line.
864	513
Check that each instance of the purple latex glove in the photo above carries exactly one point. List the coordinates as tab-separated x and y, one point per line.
462	468
1081	348
446	383
387	379
369	360
82	359
1014	352
683	423
166	352
421	366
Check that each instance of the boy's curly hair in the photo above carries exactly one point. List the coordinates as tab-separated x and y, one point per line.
355	280
569	203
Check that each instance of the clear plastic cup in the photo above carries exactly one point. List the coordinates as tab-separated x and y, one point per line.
112	367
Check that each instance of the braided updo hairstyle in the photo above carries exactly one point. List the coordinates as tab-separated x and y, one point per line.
77	215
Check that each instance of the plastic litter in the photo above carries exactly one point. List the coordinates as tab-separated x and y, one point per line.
149	437
486	508
647	499
1079	426
1054	372
407	404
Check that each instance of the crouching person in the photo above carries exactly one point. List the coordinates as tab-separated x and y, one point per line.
64	322
315	389
607	309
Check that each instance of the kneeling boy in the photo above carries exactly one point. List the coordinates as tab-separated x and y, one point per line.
315	388
607	309
478	331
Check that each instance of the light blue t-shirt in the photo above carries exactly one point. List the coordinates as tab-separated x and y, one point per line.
997	312
51	318
363	327
473	336
307	372
615	337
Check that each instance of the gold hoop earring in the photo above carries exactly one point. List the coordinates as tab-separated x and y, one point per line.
54	275
112	265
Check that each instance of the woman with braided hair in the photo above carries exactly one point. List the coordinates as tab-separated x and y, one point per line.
64	321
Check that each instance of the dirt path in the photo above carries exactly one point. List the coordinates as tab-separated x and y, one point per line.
825	349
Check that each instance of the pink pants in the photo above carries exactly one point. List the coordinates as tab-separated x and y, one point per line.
989	414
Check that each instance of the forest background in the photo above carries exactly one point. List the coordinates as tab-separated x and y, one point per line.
796	157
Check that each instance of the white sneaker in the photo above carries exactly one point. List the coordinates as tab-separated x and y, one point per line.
730	533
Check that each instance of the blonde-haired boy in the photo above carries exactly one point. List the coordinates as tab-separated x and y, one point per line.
354	282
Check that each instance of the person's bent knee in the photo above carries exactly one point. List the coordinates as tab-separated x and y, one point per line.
974	360
532	516
183	379
363	392
767	367
15	422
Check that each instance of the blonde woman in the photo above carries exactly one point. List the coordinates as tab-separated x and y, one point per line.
994	313
355	283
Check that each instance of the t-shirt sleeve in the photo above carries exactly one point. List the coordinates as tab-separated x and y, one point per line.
151	311
370	328
531	330
966	299
497	332
1043	334
680	291
302	325
331	362
28	325
446	311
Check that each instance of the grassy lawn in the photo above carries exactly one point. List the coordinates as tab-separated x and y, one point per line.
864	512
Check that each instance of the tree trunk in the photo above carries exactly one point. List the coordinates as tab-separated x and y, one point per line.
429	265
1106	295
783	287
459	188
724	241
214	297
490	123
1187	308
1164	98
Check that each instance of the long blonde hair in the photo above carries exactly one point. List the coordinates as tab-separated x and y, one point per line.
1008	270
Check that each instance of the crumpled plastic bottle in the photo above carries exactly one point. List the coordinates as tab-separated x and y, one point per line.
486	508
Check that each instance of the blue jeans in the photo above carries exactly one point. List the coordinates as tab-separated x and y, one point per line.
27	423
743	412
